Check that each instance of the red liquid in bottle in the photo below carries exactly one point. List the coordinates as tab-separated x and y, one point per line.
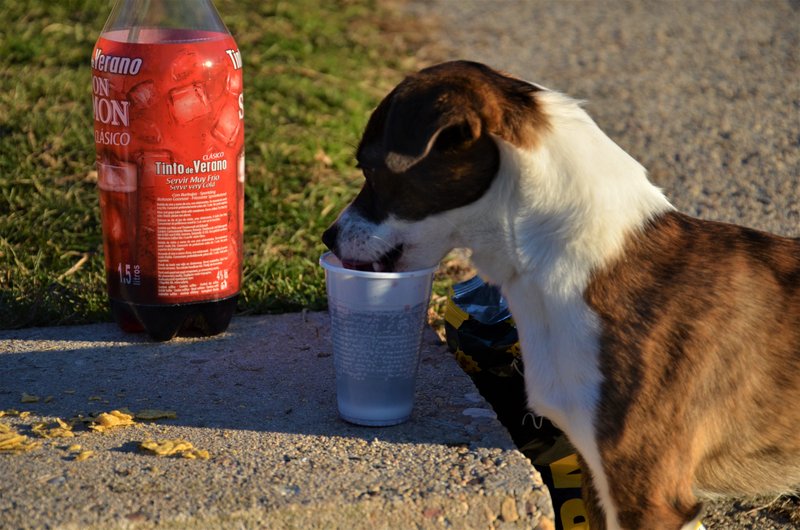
168	114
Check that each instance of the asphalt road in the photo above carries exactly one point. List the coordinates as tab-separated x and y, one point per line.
705	94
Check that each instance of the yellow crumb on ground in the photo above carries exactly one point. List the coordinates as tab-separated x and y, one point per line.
14	412
197	454
83	455
176	447
109	420
58	429
13	442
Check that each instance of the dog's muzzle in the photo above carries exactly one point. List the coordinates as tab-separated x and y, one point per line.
385	263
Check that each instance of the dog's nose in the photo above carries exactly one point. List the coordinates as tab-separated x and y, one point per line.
329	237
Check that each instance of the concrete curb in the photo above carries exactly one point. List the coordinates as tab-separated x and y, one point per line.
261	399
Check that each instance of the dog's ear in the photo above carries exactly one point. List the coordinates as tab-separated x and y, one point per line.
446	109
414	128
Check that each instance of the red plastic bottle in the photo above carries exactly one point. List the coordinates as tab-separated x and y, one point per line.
169	135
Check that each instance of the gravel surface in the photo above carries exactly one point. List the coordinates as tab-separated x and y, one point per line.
705	94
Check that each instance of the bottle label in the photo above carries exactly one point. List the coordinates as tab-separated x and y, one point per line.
169	133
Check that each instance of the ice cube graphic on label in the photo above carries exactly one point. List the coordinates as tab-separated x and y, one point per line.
193	67
148	132
235	82
186	65
217	84
226	129
116	175
188	103
143	94
215	87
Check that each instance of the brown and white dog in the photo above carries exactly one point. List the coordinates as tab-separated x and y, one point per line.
666	347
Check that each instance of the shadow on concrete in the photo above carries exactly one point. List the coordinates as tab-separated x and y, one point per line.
267	374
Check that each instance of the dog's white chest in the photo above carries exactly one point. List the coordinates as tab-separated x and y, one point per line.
559	336
559	340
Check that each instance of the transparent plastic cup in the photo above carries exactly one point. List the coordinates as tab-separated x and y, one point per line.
377	323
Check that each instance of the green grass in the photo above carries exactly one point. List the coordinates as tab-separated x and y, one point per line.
313	72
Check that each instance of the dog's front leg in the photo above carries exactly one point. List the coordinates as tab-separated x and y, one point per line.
639	506
597	517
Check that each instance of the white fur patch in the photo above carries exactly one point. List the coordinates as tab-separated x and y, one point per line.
361	239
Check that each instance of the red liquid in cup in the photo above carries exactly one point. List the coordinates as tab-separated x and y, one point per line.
169	133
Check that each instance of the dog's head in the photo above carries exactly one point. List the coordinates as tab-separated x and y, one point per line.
429	149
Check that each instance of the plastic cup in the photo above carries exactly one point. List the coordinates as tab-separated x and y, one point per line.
377	322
